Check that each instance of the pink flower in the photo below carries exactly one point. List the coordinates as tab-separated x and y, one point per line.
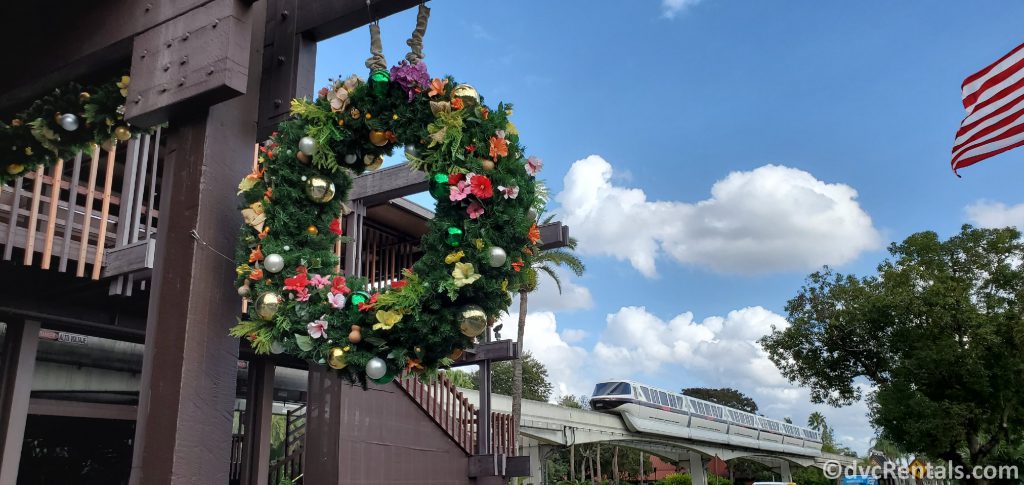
302	294
533	165
460	191
509	192
475	210
337	300
317	328
500	134
319	281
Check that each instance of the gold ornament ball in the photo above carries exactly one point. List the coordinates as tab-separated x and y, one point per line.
378	138
312	230
487	164
319	189
373	163
267	305
122	133
15	168
336	358
468	94
472	320
84	96
302	157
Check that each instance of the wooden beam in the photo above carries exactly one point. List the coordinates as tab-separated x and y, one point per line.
321	19
53	407
185	64
19	362
187	393
380	186
491	351
289	62
323	420
130	258
259	404
67	41
553	235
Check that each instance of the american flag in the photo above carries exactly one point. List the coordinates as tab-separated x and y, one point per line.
994	100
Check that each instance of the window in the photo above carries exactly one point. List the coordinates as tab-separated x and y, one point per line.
647	394
664	398
612	388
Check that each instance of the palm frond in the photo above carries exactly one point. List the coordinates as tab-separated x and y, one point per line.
553	274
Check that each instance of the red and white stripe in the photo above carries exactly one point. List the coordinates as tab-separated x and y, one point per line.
994	100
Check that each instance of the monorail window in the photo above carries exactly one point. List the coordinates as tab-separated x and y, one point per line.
613	388
647	394
664	397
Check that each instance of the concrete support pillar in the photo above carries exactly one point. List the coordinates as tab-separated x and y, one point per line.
536	452
784	473
19	362
259	404
697	469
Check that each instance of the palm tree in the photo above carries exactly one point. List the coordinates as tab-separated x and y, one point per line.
546	261
816	421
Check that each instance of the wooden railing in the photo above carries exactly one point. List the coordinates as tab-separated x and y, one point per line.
71	217
287	469
453	412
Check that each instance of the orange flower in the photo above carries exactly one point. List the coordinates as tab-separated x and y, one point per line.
437	87
499	147
412	364
518	265
256	255
528	251
457	104
264	232
484	112
256	274
268	193
534	234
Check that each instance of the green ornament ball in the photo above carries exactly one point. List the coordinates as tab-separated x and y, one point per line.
359	297
454	238
385	379
438	186
379	80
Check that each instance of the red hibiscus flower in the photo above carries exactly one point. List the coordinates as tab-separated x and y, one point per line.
454	178
297	282
367	306
480	185
470	148
338	285
399	284
336	226
518	266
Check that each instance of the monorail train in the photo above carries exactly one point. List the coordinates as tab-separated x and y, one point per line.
645	409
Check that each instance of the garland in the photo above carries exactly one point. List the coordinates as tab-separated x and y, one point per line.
59	125
484	230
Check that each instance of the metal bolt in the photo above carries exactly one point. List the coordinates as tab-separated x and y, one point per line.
284	14
277	102
169	44
185	37
144	52
138	99
163	88
181	82
167	67
215	23
280	59
209	72
149	6
184	60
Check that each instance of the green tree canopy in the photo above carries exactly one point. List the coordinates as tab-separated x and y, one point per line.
725	396
535	378
935	339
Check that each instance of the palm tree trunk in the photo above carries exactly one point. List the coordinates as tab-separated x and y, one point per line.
599	461
572	462
517	369
615	465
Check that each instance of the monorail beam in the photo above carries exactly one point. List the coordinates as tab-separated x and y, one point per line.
19	360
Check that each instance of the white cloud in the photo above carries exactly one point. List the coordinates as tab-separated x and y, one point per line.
773	218
573	335
985	213
563	361
671	8
547	298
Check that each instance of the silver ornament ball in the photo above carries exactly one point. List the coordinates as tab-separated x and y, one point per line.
243	290
274	263
532	214
411	153
276	347
307	145
68	121
496	256
351	158
376	368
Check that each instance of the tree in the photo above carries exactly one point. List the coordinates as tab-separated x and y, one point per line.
545	262
461	378
572	401
535	378
725	396
817	422
938	333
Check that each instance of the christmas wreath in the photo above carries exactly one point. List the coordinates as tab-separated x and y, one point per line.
68	120
482	235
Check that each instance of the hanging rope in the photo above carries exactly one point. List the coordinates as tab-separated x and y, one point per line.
376	61
415	42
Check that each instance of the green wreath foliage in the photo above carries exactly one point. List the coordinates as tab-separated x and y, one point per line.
464	147
34	137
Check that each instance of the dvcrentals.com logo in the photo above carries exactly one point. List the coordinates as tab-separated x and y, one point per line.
921	470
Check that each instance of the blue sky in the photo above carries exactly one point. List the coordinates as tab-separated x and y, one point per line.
813	98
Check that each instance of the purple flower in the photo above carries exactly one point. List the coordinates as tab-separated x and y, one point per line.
413	78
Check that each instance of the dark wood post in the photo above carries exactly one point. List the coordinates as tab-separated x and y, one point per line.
186	399
15	391
259	406
323	421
